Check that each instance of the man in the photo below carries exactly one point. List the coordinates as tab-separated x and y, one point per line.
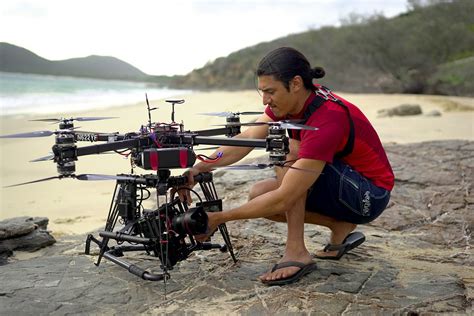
350	179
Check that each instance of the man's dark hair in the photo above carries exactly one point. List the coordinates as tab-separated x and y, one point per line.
285	63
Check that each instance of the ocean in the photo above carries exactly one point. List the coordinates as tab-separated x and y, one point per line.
39	94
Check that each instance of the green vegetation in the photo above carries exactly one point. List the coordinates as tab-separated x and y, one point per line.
429	49
454	78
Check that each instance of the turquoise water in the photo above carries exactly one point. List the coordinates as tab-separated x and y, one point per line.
28	93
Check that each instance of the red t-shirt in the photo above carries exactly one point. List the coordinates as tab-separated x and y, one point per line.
368	156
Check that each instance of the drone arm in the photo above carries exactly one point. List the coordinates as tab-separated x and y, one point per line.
110	137
100	148
251	137
214	132
80	136
203	140
230	151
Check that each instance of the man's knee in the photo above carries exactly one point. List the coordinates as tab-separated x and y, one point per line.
262	187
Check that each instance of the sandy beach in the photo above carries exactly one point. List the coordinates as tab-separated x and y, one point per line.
77	207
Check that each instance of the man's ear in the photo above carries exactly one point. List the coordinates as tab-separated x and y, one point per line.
296	84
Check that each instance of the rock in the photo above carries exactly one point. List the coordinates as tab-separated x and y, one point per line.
24	233
433	113
16	227
401	110
4	256
417	258
19	226
33	241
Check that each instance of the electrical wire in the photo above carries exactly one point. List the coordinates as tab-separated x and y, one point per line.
188	189
207	159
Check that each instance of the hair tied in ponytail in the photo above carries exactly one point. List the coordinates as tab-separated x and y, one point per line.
318	72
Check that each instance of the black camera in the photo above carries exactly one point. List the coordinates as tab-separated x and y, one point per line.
175	223
192	222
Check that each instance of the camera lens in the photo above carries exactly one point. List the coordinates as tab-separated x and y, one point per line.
193	222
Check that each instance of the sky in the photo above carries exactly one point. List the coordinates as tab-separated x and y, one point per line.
166	37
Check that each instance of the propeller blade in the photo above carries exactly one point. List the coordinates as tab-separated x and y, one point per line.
34	181
242	124
96	118
30	134
217	147
249	113
91	118
86	177
46	120
99	177
297	126
261	166
283	124
49	133
226	114
207	148
220	114
45	158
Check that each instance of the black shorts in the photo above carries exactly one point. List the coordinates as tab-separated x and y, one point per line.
344	194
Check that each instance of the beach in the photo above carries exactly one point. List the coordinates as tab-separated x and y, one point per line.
75	207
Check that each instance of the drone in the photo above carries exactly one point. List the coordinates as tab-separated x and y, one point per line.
168	230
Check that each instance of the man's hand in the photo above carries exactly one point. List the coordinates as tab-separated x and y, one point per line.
184	194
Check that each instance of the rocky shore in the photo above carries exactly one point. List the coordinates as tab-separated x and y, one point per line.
417	258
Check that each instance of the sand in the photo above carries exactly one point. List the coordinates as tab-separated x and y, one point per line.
75	207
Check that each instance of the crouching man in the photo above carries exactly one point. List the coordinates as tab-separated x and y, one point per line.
350	179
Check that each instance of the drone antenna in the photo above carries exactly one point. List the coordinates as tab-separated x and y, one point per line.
173	102
149	111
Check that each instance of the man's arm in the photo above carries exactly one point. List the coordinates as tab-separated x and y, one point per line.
230	154
294	184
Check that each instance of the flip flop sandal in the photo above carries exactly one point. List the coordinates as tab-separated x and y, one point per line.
352	241
304	269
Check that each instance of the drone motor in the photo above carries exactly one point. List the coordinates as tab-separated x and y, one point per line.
66	124
277	143
65	153
232	123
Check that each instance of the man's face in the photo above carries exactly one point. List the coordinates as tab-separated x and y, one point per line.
276	96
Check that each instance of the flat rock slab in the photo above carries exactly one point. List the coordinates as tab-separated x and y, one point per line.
32	241
19	226
23	233
401	110
416	259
